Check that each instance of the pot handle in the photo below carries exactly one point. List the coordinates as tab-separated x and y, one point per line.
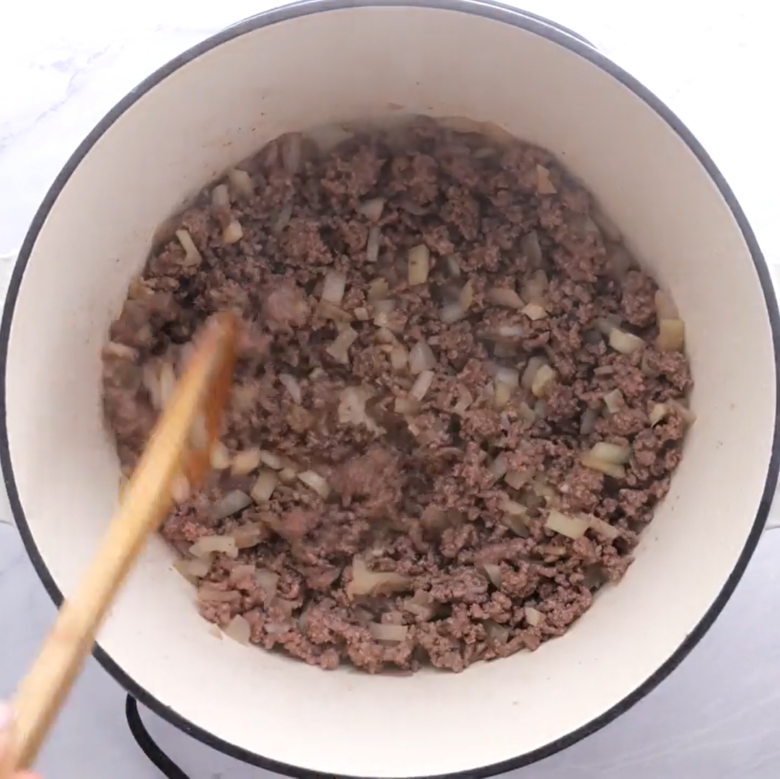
148	746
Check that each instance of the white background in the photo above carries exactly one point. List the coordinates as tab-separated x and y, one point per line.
63	65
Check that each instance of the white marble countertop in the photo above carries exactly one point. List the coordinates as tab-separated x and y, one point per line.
65	64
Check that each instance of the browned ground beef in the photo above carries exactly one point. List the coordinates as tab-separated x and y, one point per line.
413	496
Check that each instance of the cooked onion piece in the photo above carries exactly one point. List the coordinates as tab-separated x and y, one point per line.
535	288
534	311
264	487
365	582
333	288
387	633
610	469
373	243
421	358
313	480
339	349
542	380
207	545
238	629
614	401
571	527
220	198
372	209
493	572
506	297
419	264
421	385
232	503
192	256
671	335
658	412
533	616
544	185
292	386
241	182
233	233
245	462
532	249
602	528
611	453
623	342
531	369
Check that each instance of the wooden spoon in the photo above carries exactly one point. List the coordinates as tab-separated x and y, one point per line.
179	448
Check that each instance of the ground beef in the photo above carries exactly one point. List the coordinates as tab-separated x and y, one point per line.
423	538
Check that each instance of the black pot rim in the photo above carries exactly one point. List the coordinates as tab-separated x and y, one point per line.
497	12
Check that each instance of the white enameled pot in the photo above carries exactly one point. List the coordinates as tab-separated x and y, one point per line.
326	61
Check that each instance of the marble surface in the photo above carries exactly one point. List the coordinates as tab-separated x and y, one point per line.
64	65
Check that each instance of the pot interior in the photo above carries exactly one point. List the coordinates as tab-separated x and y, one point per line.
319	68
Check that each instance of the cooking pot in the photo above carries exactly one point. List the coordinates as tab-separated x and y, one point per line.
327	61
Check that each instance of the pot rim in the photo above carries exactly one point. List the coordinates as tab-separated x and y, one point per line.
498	12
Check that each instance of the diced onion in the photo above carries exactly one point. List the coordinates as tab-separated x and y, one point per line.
685	413
114	349
534	311
571	527
502	393
327	310
339	349
333	288
671	335
406	406
543	184
271	460
526	412
513	508
288	475
466	296
385	306
465	399
248	535
264	487
506	297
611	453
422	605
532	249
392	634
239	572
421	385
421	358
614	401
352	406
453	267
493	572
535	287
399	358
378	290
293	388
232	503
372	209
283	218
245	462
373	243
542	380
452	312
268	581
220	197
658	412
314	481
499	466
588	421
518	479
192	256
532	616
411	207
419	264
291	152
606	325
603	528
241	182
529	374
208	545
365	582
625	343
195	569
665	307
238	629
233	233
610	469
209	593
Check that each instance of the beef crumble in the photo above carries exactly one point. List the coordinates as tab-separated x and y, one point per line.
457	400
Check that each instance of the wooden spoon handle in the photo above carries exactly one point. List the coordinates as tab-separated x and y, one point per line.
180	443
